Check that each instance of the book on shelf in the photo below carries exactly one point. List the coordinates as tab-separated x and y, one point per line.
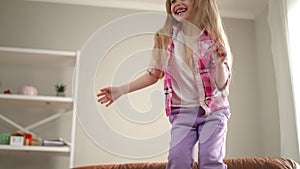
55	142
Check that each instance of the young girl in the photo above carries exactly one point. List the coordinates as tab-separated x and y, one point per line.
192	54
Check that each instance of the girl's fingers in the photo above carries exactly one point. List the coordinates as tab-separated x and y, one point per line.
105	96
109	103
102	99
105	101
104	91
220	49
100	94
107	89
222	53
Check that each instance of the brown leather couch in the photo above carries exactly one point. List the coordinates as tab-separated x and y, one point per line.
242	163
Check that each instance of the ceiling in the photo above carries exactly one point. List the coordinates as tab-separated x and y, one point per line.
245	9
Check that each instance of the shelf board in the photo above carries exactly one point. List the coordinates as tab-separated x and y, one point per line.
34	104
153	5
64	149
36	98
37	57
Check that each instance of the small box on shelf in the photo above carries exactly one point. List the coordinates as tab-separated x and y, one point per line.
4	138
16	140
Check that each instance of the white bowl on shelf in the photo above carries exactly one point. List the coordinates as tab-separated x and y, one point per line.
28	90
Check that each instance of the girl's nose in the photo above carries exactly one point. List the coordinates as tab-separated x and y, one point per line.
174	2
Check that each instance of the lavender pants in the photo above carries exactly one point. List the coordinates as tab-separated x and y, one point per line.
189	126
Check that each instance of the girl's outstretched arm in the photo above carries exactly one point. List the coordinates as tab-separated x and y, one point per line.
110	94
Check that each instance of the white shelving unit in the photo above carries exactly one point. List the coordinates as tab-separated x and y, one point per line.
54	107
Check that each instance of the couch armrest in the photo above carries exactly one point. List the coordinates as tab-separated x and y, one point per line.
261	163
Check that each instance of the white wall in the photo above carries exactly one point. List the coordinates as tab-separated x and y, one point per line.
244	135
67	27
268	105
277	18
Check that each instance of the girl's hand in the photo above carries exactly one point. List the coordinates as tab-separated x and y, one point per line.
219	53
108	95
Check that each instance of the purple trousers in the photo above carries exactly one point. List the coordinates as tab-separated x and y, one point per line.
189	126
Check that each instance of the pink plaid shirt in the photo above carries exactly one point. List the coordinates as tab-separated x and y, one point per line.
211	98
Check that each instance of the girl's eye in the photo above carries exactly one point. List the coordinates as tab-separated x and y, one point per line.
173	1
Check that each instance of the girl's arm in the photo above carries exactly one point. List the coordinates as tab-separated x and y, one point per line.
222	73
109	94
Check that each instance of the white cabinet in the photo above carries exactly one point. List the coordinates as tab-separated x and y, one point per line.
42	69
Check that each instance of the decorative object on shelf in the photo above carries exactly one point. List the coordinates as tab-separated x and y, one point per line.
27	139
32	140
7	91
60	90
16	139
4	138
28	90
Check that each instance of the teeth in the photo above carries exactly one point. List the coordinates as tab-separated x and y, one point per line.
180	11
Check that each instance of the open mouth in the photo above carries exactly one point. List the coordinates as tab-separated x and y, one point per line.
180	10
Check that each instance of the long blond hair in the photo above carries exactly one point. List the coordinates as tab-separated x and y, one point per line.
208	17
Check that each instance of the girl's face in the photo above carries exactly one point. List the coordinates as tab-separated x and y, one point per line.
181	9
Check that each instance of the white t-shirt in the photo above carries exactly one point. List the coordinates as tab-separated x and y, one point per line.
183	81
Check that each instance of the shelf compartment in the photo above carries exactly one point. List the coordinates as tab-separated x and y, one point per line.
47	108
37	57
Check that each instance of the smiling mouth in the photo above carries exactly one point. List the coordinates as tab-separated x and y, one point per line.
180	11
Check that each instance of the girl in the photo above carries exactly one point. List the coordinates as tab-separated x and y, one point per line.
192	54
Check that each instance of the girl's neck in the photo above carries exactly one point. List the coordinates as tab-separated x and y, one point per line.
190	30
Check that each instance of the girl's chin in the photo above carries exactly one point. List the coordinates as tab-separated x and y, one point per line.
180	18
